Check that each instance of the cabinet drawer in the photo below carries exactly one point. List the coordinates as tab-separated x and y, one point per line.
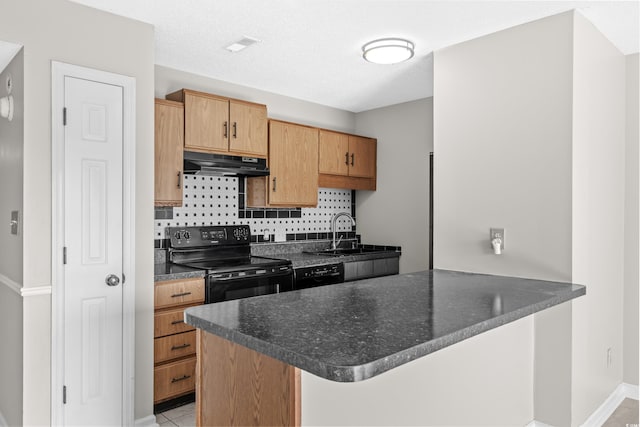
170	322
179	292
174	379
173	346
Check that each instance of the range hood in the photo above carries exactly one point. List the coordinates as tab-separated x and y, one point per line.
223	165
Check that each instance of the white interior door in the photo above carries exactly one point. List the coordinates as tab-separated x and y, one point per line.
93	238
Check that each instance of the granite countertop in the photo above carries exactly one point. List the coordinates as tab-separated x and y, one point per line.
168	271
361	329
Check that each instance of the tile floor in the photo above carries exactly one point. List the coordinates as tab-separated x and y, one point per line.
625	415
182	416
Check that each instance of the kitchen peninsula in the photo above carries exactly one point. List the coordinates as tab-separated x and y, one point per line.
251	351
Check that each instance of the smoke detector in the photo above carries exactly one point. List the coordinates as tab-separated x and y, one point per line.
242	44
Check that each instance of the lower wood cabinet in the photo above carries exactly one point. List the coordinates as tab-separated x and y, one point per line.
174	379
175	341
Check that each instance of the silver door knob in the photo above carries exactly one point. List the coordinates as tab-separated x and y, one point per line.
112	280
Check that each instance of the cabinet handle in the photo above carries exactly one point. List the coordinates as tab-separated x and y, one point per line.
274	184
182	378
180	347
179	178
177	322
235	130
183	294
226	129
346	158
353	156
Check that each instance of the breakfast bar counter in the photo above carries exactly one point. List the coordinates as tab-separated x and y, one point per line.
347	332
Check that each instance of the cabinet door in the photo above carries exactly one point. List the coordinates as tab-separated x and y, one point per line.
362	157
169	134
334	153
248	128
206	123
293	160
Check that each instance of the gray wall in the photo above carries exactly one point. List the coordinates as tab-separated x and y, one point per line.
631	222
397	213
533	140
168	80
502	146
598	204
64	31
11	143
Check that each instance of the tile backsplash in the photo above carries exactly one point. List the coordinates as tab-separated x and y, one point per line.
213	200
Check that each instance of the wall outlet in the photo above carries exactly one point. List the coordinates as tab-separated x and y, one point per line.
280	236
497	233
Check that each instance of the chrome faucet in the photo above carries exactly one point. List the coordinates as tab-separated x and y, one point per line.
334	245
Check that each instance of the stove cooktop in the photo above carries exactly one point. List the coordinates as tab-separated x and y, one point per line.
232	265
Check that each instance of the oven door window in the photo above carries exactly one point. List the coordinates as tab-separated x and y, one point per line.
226	290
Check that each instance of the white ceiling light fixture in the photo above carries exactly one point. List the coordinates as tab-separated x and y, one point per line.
388	51
242	44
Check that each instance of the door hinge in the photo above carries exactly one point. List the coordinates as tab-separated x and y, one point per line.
64	394
64	255
64	116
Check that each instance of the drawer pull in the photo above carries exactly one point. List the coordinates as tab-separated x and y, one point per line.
180	347
182	378
176	322
183	294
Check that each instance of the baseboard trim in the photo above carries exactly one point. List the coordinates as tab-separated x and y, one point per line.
148	421
14	286
623	391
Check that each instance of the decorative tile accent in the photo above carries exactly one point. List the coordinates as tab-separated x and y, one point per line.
212	200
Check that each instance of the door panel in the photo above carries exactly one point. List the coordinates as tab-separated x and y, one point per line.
93	237
248	128
334	153
293	160
206	123
362	159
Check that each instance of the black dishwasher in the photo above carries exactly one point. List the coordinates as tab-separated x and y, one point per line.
319	275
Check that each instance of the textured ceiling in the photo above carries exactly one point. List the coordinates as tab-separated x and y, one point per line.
311	49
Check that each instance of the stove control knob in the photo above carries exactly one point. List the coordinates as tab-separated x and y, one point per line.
186	235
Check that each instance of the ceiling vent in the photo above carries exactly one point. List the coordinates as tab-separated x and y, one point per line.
241	44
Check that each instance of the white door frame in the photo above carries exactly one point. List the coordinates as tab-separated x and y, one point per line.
59	71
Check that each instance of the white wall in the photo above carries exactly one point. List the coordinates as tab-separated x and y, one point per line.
65	31
397	213
11	143
481	381
598	204
631	252
168	80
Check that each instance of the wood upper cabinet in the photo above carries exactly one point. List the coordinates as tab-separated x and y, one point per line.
362	157
222	125
169	140
334	153
293	162
347	161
